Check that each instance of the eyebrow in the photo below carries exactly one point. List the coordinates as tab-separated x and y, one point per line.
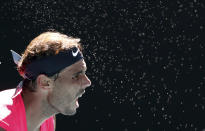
81	71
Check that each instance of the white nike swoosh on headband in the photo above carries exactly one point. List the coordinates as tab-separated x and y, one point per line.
75	53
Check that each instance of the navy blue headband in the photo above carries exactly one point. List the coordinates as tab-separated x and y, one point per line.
50	65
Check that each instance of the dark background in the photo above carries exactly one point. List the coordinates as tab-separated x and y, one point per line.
145	59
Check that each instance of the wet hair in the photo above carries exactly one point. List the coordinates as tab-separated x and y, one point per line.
46	44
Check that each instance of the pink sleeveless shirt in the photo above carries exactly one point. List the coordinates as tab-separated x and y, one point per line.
13	115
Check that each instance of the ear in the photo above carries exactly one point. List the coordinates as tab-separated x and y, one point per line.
43	81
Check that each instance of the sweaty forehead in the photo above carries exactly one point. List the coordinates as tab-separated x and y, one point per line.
78	66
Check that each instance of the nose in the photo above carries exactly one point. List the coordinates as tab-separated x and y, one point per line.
86	82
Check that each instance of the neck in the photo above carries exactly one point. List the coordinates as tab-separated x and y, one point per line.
37	109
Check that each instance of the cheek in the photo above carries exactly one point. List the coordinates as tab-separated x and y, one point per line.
61	98
66	90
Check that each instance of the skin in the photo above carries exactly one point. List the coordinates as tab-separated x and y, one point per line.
55	96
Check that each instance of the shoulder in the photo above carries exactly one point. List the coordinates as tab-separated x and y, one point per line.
5	104
6	99
6	94
12	110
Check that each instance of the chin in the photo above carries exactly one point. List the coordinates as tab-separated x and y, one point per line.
69	112
73	113
71	109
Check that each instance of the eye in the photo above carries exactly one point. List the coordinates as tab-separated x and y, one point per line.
77	76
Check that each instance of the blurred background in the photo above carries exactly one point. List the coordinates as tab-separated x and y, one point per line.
145	59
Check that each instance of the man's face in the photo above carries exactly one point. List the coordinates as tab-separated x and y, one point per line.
68	87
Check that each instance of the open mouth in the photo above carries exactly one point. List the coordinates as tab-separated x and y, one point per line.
77	104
